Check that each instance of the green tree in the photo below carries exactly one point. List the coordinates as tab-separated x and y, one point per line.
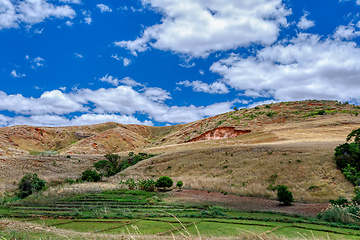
284	195
179	184
109	166
354	134
164	182
90	176
29	184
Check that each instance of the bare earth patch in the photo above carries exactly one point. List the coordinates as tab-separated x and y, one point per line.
244	203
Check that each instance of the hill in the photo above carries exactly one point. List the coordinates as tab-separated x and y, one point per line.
250	151
266	123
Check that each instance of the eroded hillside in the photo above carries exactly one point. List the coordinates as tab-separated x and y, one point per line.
266	123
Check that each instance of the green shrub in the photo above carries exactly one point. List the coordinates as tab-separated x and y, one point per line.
131	183
164	182
179	184
70	181
146	185
284	195
90	176
341	214
341	201
29	184
356	199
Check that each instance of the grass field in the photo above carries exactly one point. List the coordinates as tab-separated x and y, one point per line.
128	214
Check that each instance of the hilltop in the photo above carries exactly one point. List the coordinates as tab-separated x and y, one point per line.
267	123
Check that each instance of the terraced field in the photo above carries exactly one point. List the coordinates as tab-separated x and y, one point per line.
138	213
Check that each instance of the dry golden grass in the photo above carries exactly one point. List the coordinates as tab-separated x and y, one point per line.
307	168
49	168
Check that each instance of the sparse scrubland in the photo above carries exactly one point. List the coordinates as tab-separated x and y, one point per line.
290	144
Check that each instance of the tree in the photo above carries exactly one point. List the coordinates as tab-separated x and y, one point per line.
354	134
90	176
109	166
179	184
29	184
284	195
164	182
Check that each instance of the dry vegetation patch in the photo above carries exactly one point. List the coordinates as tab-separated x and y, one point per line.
253	170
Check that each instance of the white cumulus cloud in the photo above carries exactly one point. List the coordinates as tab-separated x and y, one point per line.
198	27
199	86
110	79
30	12
305	23
104	8
16	75
306	67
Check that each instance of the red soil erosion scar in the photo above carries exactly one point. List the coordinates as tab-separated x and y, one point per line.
220	133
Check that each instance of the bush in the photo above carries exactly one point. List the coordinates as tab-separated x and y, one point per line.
342	214
284	195
29	184
146	185
341	201
90	176
179	184
164	182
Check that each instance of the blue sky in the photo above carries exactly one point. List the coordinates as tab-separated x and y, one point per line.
160	62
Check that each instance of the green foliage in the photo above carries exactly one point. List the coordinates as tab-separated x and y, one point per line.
284	195
267	106
70	181
341	201
29	184
131	183
354	134
164	182
356	199
342	214
90	176
179	184
347	157
146	185
351	174
270	114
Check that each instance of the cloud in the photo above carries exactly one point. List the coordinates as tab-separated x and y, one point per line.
198	28
71	1
77	55
16	75
306	67
85	119
201	72
86	106
346	32
357	1
156	94
130	82
110	79
53	102
69	23
87	16
104	8
199	86
30	12
115	57
305	23
35	62
127	62
38	31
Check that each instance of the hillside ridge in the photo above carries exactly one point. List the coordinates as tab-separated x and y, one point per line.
115	137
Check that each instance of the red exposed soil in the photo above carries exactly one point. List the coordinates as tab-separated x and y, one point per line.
220	133
246	203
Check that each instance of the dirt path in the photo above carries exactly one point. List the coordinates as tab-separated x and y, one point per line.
245	203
